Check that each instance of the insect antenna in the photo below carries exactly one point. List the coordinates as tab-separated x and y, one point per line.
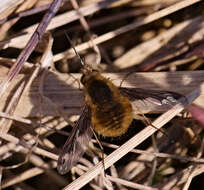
78	56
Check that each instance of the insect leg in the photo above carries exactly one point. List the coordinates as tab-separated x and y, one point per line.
102	150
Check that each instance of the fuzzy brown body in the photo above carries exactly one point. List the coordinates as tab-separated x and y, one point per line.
111	112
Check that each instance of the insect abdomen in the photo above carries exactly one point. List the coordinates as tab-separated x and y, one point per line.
111	112
114	119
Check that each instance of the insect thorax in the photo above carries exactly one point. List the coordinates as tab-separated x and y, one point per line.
99	92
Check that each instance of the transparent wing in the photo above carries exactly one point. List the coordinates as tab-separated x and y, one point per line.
147	101
76	144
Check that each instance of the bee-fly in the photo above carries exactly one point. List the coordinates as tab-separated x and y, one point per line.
109	110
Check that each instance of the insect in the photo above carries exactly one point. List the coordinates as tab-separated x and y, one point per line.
109	110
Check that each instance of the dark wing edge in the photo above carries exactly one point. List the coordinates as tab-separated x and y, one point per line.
77	142
147	101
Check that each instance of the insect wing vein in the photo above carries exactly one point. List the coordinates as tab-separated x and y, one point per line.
150	100
76	144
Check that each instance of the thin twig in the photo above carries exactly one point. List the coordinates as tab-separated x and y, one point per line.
25	13
30	45
130	184
194	171
37	150
110	35
88	31
158	154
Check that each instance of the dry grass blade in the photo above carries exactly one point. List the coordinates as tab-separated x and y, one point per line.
156	49
158	154
37	150
7	6
41	167
7	149
17	99
28	174
30	45
130	144
5	27
105	37
139	35
87	29
59	88
194	171
24	13
20	41
130	184
12	105
5	123
179	178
